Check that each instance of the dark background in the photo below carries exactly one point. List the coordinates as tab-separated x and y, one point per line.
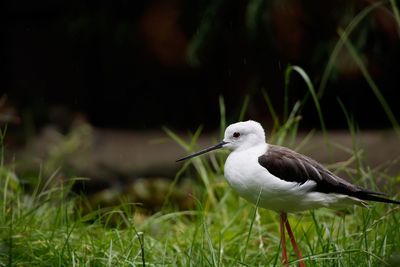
143	64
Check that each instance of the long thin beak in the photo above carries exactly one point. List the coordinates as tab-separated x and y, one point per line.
211	148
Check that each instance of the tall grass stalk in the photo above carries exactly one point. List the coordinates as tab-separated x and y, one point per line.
311	89
244	108
353	133
339	45
272	111
370	82
396	14
222	114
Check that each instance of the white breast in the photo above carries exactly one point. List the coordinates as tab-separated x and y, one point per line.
246	176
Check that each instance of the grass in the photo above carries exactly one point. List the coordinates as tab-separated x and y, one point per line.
49	229
44	225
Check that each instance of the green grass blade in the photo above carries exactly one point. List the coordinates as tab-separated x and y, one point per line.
311	89
271	109
253	218
353	133
396	14
222	114
176	139
288	72
243	110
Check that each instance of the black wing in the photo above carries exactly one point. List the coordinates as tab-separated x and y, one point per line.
291	166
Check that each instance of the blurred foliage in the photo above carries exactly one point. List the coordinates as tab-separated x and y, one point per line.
290	27
172	48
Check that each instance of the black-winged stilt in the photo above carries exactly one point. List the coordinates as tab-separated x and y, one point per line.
283	180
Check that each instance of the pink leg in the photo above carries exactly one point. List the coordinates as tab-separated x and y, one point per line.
293	241
283	239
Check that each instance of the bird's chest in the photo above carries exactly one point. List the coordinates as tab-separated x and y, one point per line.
242	171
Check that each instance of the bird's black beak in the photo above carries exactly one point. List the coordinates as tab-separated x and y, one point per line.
211	148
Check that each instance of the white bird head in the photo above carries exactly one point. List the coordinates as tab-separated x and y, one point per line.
238	136
243	135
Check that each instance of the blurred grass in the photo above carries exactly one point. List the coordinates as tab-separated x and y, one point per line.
340	43
345	42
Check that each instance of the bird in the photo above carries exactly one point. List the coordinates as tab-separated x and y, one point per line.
282	180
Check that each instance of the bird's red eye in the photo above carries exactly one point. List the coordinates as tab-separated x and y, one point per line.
236	135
